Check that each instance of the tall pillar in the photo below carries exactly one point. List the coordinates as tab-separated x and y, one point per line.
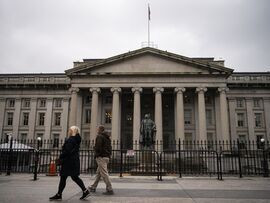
180	123
16	119
94	112
266	106
64	118
48	119
250	119
232	107
116	113
136	114
32	118
224	113
158	113
201	112
73	105
2	109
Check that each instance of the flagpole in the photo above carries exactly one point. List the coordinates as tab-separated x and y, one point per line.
148	25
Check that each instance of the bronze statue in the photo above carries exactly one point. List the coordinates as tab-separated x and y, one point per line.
147	132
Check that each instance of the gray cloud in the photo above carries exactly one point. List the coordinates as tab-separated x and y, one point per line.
47	36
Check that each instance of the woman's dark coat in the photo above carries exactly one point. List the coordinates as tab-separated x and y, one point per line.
70	157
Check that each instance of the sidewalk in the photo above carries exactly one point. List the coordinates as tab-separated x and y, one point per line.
21	188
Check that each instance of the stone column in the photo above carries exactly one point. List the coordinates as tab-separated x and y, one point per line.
224	113
73	105
232	107
116	114
32	118
94	112
16	119
158	113
64	118
250	119
266	105
201	113
180	123
136	114
48	119
2	110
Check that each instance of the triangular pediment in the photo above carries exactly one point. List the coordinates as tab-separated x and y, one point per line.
148	61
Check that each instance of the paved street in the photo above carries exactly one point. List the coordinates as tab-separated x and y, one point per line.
20	188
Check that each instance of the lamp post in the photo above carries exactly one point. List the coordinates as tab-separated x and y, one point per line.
37	158
10	138
265	163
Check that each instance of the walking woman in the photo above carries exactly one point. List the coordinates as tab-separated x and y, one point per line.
70	163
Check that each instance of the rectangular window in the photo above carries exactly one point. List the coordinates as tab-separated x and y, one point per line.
210	139
10	118
257	103
258	120
56	140
41	119
40	135
42	103
87	116
188	141
25	118
108	99
23	136
209	117
26	103
240	119
58	103
88	100
57	119
187	116
11	103
259	142
208	100
242	141
240	103
108	116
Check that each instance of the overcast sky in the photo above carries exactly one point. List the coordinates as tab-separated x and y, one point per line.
48	35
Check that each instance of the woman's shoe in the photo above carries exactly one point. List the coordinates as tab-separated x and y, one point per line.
56	197
85	194
91	189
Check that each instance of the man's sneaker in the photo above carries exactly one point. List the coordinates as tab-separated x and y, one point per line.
91	189
85	194
56	197
110	192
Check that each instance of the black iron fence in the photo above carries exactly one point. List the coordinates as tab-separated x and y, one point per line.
183	158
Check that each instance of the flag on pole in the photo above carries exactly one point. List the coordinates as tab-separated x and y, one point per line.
149	12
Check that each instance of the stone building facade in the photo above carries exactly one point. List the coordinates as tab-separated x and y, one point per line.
188	98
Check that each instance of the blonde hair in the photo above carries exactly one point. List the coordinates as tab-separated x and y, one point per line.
75	130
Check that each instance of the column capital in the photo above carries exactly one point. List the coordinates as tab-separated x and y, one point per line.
137	90
115	89
158	89
201	90
94	90
223	90
74	90
179	90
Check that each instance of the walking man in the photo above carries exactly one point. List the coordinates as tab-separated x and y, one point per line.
103	151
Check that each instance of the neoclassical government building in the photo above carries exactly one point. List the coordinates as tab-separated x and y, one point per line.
188	98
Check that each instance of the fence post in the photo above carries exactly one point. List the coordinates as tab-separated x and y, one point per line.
179	156
239	159
10	156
